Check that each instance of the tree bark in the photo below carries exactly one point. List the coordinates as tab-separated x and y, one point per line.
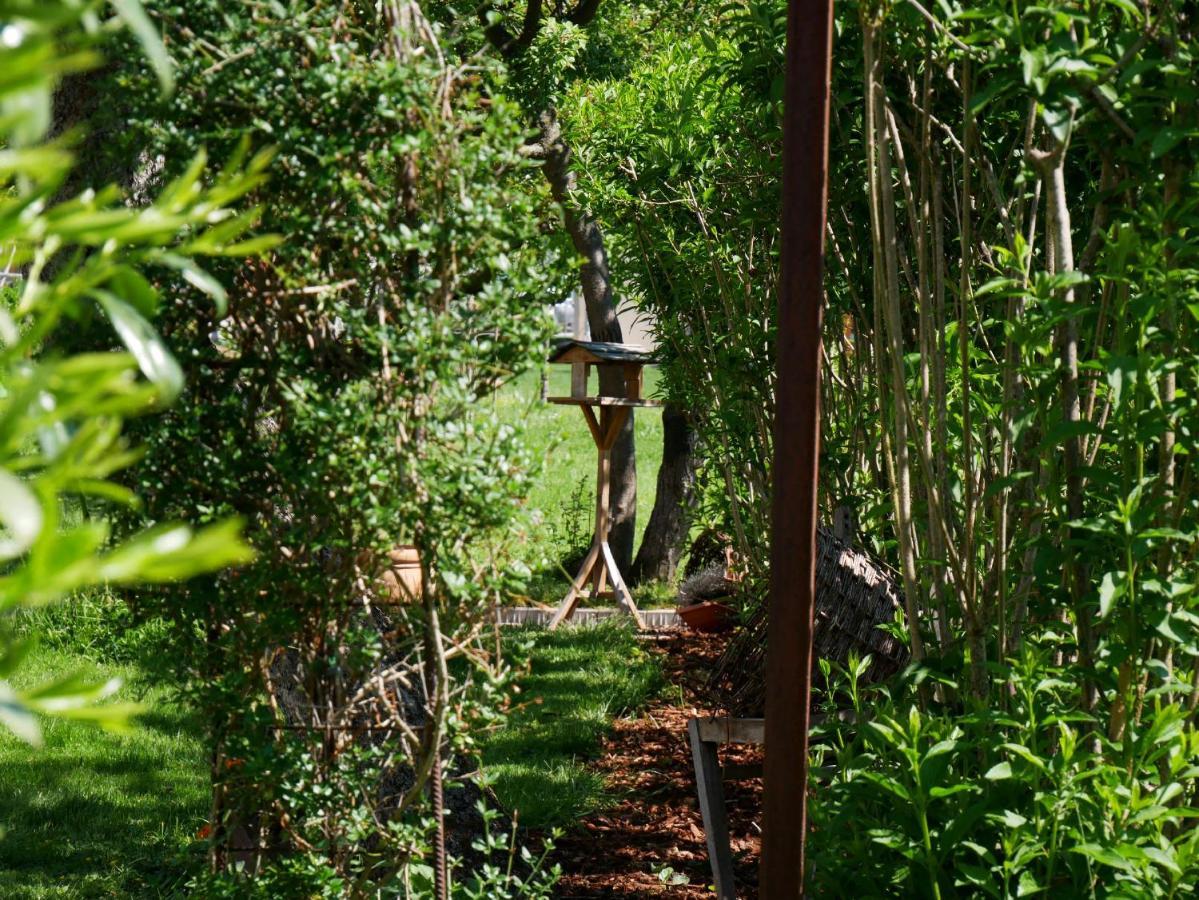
588	240
666	533
596	282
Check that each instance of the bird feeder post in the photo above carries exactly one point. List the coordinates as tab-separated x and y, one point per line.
605	417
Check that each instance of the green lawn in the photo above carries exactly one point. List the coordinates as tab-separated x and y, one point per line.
96	814
564	494
577	681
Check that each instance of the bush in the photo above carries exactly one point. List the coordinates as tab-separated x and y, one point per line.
338	411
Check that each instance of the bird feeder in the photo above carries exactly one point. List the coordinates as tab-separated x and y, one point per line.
605	416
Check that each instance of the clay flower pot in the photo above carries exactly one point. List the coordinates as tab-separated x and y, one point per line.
402	578
708	616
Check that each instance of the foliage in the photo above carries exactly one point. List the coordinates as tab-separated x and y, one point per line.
1006	802
343	411
62	416
681	151
1011	416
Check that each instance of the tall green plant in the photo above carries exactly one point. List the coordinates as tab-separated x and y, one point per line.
343	413
1008	395
67	260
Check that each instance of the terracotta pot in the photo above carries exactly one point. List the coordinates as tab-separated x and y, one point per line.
708	616
402	577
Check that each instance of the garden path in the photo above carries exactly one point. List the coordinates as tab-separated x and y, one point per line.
650	843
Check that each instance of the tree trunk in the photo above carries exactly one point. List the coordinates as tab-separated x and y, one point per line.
666	533
596	283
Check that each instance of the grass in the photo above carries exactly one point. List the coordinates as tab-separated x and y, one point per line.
577	681
97	814
564	494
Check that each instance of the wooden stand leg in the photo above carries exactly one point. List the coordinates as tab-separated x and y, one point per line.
623	596
600	564
567	607
711	807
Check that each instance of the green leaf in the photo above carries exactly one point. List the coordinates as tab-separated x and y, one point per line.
1012	819
1058	120
979	100
1106	855
139	336
938	793
1164	857
999	772
1027	885
1166	140
1113	586
1122	373
254	246
21	515
132	287
136	20
14	654
199	279
174	552
16	716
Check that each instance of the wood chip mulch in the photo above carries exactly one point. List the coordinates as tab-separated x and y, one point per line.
624	850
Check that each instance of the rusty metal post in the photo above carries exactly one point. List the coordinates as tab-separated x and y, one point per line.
796	447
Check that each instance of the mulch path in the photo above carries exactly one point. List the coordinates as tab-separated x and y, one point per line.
656	823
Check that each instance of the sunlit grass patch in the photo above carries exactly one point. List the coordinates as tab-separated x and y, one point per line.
578	681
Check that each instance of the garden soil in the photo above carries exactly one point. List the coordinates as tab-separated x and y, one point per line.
650	841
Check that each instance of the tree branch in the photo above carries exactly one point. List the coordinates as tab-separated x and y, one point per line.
502	39
584	12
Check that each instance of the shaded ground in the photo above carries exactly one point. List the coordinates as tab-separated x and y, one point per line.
651	842
95	814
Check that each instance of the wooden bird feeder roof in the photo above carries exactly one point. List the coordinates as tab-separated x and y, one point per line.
627	359
598	353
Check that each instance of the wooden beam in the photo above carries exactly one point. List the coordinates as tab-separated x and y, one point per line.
711	807
618	585
729	730
796	446
616	421
602	401
593	425
567	606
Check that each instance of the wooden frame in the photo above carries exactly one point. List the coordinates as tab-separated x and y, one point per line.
705	735
605	417
599	566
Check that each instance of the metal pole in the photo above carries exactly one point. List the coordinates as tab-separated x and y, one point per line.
796	447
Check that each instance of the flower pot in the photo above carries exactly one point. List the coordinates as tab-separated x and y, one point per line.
402	578
708	616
